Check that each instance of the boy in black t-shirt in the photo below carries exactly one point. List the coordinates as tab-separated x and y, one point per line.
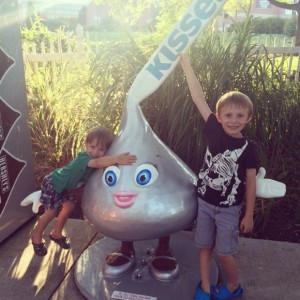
228	173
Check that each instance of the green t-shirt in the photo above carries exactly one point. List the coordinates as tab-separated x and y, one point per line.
77	171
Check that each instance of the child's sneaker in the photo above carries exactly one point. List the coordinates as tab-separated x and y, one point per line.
200	294
223	293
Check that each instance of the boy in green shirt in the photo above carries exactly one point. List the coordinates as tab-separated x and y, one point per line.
61	186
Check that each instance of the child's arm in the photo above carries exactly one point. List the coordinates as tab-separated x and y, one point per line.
106	161
195	87
247	222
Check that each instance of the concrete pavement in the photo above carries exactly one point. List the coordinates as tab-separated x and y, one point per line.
269	270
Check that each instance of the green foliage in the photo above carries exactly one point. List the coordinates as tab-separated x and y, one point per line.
234	65
235	6
289	28
38	33
110	76
180	127
61	24
57	112
127	12
272	25
168	11
66	99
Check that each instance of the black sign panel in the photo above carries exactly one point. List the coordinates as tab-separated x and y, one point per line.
10	168
16	164
5	63
8	116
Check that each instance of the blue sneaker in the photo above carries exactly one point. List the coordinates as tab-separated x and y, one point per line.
223	293
200	294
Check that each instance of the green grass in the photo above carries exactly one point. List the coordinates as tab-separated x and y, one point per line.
273	40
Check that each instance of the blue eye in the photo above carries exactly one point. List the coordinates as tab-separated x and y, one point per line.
111	175
143	177
145	174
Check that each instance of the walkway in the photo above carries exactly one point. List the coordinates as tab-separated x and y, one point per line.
269	270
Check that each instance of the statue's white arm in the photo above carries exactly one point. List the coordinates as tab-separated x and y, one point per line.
33	199
268	188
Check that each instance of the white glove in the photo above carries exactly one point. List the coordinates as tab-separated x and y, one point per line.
268	188
34	199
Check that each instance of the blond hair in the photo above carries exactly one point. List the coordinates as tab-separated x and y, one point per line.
237	99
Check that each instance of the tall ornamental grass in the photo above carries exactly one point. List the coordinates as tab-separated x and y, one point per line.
58	113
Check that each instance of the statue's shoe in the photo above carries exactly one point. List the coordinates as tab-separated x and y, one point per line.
118	263
164	265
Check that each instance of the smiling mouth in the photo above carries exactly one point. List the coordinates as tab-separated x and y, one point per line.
233	126
124	199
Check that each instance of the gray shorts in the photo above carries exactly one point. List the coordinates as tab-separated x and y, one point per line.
217	227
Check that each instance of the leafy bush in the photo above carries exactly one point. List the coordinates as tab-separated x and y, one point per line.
271	25
289	28
38	33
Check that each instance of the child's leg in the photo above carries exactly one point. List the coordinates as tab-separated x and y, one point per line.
44	220
227	222
205	257
67	208
204	238
230	268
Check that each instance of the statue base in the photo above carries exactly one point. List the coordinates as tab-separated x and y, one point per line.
139	283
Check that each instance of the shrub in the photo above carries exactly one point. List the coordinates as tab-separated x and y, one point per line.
272	25
289	28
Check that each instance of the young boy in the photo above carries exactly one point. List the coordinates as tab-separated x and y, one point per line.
60	186
228	173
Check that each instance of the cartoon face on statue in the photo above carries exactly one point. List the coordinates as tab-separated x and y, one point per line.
152	198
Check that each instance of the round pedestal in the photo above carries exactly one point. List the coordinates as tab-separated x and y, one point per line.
139	284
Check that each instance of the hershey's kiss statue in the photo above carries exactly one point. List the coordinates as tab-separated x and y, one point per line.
155	197
151	199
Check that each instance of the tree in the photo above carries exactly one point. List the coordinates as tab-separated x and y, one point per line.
235	6
169	11
292	6
127	12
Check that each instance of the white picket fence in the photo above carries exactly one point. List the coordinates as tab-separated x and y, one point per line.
53	52
269	41
287	58
50	51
